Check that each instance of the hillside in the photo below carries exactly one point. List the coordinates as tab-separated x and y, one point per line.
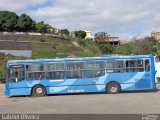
45	47
38	44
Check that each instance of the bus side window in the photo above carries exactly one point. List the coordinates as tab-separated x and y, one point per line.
115	66
75	70
35	72
130	66
147	66
54	71
70	70
79	71
94	69
134	66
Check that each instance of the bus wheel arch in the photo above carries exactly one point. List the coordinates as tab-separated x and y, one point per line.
113	87
38	91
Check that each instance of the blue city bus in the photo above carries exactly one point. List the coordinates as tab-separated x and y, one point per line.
110	74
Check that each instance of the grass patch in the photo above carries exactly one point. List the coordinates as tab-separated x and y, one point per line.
36	53
84	54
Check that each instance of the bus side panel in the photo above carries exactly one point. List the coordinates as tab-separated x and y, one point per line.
142	84
127	87
28	91
60	89
132	81
7	89
126	80
92	88
153	73
75	89
18	88
17	91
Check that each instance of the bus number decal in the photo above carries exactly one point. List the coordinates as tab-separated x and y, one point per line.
76	91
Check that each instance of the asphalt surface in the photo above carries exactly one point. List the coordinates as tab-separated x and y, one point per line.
123	103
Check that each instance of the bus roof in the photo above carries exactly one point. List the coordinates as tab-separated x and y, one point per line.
10	62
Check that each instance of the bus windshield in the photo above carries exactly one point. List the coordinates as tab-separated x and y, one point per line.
16	73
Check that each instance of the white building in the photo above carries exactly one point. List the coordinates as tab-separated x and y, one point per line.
88	35
157	68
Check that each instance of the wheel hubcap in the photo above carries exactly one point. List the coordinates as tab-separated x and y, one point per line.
39	90
113	89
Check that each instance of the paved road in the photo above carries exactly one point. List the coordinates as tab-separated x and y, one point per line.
123	103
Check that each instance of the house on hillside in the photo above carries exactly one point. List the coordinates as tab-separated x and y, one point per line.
112	39
102	37
156	35
51	29
88	34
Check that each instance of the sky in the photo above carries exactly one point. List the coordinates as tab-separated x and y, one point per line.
126	18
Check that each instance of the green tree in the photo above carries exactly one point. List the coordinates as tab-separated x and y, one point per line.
145	46
106	48
90	47
64	32
100	36
80	34
25	23
126	49
8	21
2	54
41	27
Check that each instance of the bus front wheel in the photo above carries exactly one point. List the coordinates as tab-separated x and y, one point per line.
113	88
38	91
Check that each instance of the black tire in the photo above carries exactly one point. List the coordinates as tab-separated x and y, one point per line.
38	91
113	88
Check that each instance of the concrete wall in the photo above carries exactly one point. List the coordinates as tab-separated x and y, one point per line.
25	53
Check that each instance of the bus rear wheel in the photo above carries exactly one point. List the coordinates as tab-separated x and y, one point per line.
113	88
38	91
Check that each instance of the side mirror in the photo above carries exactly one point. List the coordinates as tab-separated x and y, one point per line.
16	80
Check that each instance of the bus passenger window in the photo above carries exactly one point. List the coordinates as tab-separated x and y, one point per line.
79	70
70	70
147	66
134	66
94	69
75	70
115	66
54	71
30	76
35	72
